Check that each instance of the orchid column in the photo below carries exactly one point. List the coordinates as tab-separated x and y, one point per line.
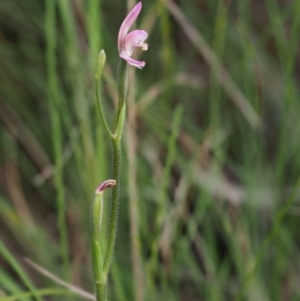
126	45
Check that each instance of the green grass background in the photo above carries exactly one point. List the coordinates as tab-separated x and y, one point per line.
209	205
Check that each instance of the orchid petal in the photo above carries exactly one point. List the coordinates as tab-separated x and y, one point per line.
129	20
135	39
132	62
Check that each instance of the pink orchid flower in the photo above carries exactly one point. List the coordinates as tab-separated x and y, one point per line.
128	41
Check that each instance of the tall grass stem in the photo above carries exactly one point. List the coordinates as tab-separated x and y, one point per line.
54	103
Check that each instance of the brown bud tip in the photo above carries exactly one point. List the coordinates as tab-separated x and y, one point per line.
104	185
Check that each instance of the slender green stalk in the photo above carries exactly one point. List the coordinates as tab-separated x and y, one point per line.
114	206
101	271
122	87
116	142
100	64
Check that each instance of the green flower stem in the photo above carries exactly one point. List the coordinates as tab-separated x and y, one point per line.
114	206
101	292
101	271
100	65
116	141
122	87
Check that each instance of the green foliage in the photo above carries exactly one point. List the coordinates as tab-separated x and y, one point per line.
209	206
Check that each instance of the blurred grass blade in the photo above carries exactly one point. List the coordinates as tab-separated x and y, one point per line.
214	63
54	106
40	292
70	287
19	270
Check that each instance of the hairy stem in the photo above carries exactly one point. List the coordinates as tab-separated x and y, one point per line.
116	142
114	205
